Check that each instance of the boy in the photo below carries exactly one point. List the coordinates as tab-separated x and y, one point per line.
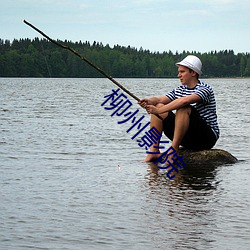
194	125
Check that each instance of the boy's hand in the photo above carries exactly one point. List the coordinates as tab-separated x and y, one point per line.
151	109
144	102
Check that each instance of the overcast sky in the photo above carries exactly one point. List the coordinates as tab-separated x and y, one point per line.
157	25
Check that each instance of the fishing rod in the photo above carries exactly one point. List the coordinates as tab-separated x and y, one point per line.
87	61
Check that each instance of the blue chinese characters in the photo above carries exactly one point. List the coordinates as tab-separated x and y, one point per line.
119	105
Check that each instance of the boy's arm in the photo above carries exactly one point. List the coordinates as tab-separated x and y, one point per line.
176	104
154	101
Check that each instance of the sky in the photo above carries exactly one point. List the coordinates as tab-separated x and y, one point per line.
155	25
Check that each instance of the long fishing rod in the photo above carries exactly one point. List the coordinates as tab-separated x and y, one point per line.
87	61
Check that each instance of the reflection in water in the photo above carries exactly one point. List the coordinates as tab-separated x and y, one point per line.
195	177
185	202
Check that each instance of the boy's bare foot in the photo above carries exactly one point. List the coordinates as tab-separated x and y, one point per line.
152	157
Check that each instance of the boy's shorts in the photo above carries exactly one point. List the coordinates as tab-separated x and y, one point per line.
199	135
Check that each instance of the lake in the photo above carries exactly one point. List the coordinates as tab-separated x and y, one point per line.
72	178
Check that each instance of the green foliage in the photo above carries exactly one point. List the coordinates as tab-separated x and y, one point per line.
41	58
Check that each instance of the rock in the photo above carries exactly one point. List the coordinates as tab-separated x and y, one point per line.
207	157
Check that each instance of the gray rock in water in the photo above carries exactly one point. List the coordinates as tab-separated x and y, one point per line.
207	157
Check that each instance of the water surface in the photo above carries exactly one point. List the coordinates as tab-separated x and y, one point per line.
72	178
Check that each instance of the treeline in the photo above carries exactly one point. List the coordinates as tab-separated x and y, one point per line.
41	58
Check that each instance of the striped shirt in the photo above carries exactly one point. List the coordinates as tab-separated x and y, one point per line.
206	108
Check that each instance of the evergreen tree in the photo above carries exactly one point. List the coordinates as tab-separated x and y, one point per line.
41	58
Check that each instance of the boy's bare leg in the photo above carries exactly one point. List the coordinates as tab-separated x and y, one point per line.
181	126
157	123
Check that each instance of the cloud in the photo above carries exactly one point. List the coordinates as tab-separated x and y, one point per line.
149	2
83	6
152	24
225	5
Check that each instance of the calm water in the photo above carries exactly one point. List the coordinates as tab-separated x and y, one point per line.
61	187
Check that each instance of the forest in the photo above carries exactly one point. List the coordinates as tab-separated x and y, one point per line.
41	58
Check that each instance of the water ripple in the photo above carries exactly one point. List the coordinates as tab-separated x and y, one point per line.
72	178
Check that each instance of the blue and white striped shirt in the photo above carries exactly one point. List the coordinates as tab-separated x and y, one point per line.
206	108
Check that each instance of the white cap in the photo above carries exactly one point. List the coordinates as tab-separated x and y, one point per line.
191	62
